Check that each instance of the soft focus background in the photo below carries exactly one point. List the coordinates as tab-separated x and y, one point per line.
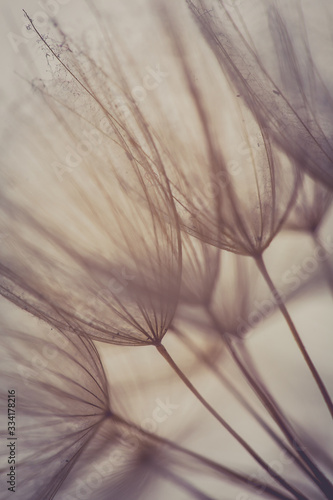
140	380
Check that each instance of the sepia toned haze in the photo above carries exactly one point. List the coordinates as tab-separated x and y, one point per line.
166	189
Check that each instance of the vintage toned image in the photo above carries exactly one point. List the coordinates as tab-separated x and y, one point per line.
166	250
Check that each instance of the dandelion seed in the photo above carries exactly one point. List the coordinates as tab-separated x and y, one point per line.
296	114
85	256
61	400
279	118
96	247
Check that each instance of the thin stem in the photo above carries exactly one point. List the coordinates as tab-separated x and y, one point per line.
240	398
230	474
262	268
306	464
161	349
317	476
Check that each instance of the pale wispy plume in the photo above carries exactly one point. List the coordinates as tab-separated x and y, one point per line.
164	151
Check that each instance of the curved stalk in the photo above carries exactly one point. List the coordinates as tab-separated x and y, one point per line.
164	353
228	473
262	268
306	463
240	398
318	477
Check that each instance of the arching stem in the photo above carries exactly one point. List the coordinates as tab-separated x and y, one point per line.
318	477
239	397
226	472
262	268
162	350
306	463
